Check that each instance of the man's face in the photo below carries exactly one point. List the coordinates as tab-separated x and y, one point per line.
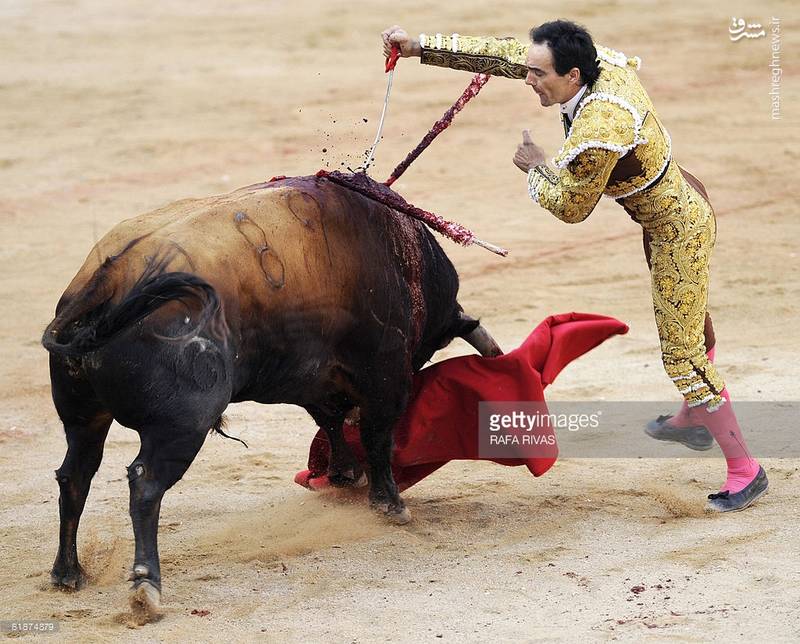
545	81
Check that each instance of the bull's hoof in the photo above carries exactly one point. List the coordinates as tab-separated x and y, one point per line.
347	479
68	581
145	602
399	515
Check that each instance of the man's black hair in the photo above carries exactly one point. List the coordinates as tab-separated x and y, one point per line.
571	46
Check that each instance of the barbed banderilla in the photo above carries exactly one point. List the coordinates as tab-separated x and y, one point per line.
363	184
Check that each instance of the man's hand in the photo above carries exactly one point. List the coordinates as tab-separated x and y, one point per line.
396	36
528	153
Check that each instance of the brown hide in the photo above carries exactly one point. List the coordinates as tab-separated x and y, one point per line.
297	291
264	246
302	255
260	248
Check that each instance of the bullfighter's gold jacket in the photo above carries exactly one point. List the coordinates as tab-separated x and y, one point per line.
616	145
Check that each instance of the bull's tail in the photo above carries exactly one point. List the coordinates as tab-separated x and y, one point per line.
91	319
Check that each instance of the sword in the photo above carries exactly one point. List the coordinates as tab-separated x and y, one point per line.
391	62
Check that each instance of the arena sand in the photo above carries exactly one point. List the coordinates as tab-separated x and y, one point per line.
109	113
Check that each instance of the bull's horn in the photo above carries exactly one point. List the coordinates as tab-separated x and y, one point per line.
483	342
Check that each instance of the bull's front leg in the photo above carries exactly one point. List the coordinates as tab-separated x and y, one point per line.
376	437
344	470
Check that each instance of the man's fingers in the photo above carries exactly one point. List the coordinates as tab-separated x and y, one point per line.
526	136
391	36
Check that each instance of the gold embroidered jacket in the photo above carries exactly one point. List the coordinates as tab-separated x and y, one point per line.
616	144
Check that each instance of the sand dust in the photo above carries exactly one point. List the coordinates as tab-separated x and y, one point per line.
110	113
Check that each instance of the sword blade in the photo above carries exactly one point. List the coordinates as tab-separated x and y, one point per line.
371	154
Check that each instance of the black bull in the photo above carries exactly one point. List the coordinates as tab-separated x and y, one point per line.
298	291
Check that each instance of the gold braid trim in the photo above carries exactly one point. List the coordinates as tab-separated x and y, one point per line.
572	193
474	63
547	173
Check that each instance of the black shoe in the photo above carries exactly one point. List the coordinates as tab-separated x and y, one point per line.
697	437
727	502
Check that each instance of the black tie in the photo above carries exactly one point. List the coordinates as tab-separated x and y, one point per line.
567	124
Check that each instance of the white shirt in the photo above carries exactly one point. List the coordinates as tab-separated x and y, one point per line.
568	108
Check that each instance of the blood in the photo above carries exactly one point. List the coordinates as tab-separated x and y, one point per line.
475	85
381	192
363	184
405	240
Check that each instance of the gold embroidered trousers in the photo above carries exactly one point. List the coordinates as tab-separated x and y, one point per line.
681	230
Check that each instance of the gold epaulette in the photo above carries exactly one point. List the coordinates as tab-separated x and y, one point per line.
603	122
614	57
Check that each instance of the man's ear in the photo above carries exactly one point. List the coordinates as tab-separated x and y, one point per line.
574	75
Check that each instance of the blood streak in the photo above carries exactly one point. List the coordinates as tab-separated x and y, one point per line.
475	85
405	237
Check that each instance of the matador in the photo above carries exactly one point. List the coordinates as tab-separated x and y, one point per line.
615	144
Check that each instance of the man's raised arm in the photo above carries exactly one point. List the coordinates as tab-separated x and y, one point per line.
476	54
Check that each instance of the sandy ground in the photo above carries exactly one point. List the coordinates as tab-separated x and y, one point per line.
109	112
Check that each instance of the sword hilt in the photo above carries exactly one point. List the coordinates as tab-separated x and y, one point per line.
391	61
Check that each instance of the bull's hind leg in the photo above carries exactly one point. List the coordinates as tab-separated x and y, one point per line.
164	457
84	452
86	427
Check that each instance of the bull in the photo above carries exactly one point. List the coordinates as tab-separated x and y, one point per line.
294	291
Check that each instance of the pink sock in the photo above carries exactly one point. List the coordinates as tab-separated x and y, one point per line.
681	419
722	423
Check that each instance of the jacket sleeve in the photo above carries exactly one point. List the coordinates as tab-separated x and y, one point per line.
572	193
476	54
602	132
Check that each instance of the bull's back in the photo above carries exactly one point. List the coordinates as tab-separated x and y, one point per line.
302	249
268	245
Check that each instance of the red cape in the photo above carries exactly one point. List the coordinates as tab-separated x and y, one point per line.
441	421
